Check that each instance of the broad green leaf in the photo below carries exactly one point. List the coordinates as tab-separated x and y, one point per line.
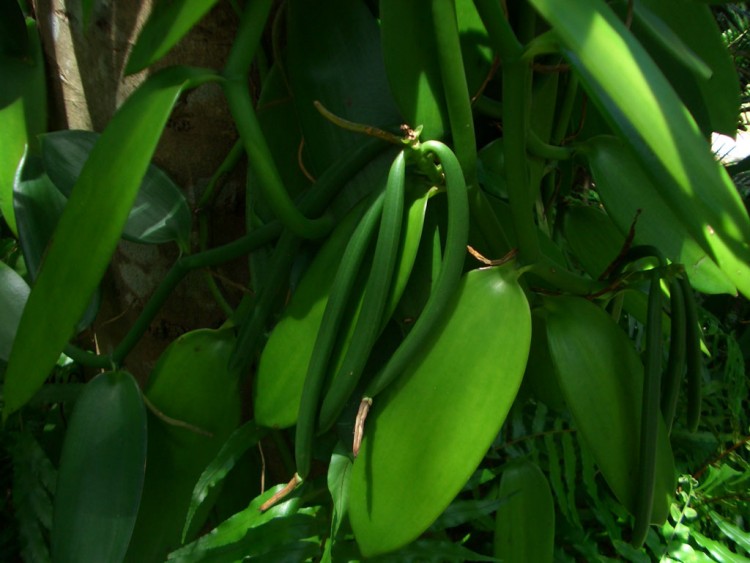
88	231
38	206
416	454
601	377
23	113
714	100
669	40
525	524
190	383
166	25
334	56
235	528
245	437
339	473
275	541
464	511
280	125
633	196
101	472
412	67
644	109
411	64
160	212
13	294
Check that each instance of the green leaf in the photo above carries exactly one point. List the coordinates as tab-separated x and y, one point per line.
242	439
644	109
427	433
718	550
101	472
166	25
23	113
734	533
275	541
339	473
669	40
38	206
463	511
601	376
714	100
334	56
13	294
160	213
235	528
525	524
632	195
190	383
88	231
412	67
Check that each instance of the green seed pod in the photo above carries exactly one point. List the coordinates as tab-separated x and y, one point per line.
428	431
601	377
281	375
525	524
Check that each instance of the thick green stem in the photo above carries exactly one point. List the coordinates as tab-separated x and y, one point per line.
458	100
456	91
503	39
566	110
516	82
240	105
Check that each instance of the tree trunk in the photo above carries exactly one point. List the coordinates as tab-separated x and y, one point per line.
87	85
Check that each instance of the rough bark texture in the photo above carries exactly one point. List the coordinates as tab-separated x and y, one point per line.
87	84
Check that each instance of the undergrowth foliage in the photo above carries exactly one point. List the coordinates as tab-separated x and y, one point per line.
497	306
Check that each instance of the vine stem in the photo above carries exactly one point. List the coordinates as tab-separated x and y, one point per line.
259	154
458	100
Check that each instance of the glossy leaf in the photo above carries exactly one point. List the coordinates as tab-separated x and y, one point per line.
166	25
714	99
238	443
626	196
23	112
337	62
38	206
339	475
88	231
525	524
236	527
192	384
601	377
644	109
428	432
13	294
101	472
160	212
280	125
412	68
